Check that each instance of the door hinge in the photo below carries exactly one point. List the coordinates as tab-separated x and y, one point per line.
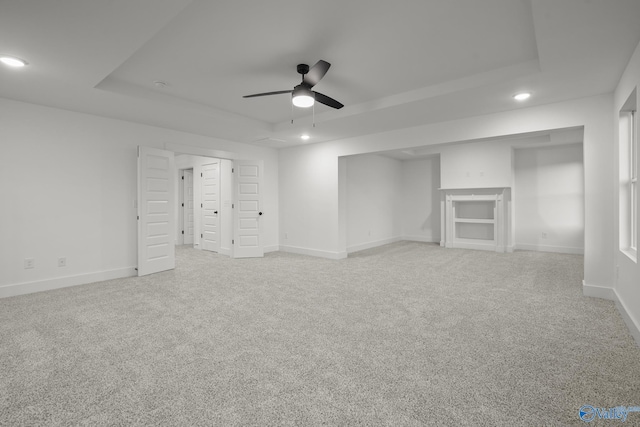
232	170
182	231
183	205
200	173
201	205
233	241
138	218
183	177
233	205
201	236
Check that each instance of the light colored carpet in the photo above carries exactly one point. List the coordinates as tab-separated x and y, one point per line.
405	334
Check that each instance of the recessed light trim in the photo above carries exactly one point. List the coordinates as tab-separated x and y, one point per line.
522	96
12	61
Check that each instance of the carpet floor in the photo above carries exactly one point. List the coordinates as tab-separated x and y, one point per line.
408	334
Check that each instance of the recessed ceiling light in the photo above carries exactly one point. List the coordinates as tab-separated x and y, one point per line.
12	61
521	96
305	137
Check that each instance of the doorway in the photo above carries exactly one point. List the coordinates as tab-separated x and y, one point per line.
159	208
206	184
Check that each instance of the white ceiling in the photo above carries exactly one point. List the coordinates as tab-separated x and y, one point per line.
394	64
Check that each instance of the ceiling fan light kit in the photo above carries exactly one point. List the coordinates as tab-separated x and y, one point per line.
302	97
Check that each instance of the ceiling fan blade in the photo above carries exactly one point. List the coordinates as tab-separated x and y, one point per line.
267	93
324	99
316	73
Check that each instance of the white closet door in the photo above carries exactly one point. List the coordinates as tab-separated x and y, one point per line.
188	225
248	209
211	207
156	211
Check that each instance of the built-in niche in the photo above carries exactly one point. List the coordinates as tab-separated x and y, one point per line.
477	219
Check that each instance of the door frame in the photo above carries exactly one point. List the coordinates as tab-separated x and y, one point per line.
218	208
181	228
228	222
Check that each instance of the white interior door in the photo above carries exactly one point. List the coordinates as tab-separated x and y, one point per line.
210	239
248	212
188	223
156	210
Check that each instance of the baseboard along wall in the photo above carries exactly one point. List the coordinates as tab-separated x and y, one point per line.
610	294
313	252
63	282
549	248
374	244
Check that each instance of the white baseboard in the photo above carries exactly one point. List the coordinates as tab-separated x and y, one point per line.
474	246
63	282
271	248
425	239
313	252
596	291
632	323
549	248
369	245
608	293
351	249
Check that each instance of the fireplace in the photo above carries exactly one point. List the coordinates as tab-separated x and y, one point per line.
476	218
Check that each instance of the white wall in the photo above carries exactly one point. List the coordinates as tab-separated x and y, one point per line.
68	185
374	186
627	283
309	218
549	199
310	189
476	165
421	199
388	200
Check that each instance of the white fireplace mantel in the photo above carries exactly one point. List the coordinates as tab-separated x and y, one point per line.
476	218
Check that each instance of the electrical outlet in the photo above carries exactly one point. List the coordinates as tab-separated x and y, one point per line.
62	262
543	234
286	236
29	263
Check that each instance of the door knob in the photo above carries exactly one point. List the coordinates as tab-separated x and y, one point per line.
259	213
215	212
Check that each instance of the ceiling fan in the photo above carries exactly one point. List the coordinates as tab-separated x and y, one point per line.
302	95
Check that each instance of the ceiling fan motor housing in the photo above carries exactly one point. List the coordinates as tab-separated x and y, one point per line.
303	69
